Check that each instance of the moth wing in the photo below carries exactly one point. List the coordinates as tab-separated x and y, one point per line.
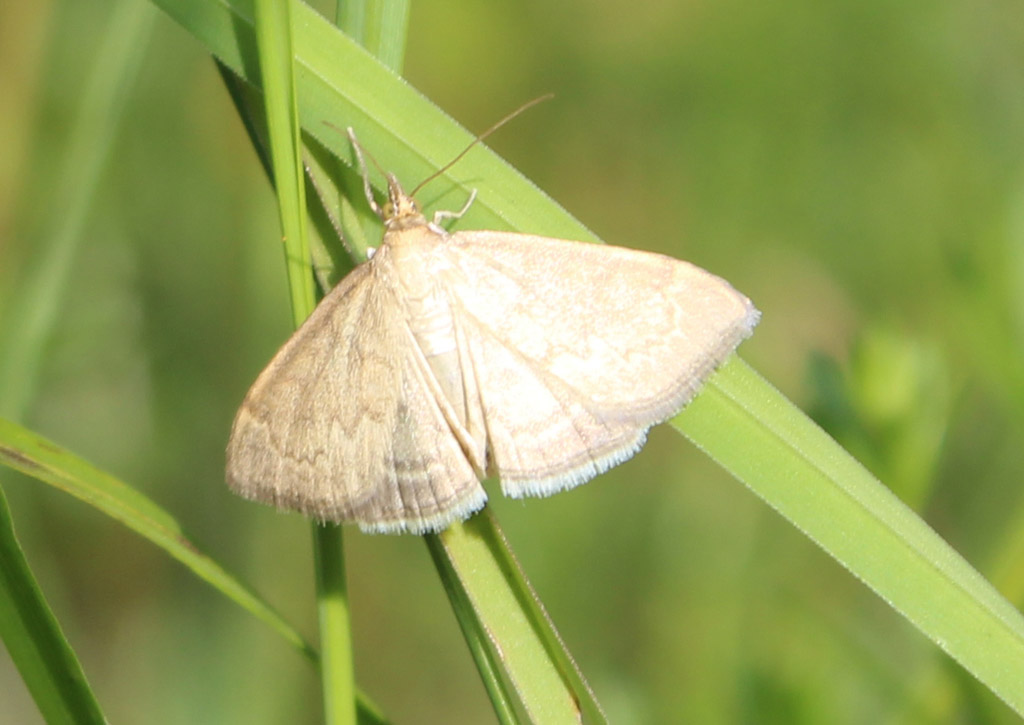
580	348
342	425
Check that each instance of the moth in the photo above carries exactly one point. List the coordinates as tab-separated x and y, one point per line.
447	358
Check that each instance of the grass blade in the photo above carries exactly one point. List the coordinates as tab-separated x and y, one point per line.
33	455
507	628
34	639
742	422
274	43
380	26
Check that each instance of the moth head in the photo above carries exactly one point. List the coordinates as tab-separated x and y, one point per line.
400	210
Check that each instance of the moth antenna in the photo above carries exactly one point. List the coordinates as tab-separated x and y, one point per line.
365	174
358	147
481	137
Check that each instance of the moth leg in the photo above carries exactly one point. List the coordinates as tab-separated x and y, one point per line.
444	214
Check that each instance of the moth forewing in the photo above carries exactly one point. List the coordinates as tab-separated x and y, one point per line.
337	424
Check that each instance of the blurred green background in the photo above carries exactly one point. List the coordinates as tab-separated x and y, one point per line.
856	168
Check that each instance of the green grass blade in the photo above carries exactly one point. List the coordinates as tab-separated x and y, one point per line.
34	639
337	674
473	629
33	455
746	425
274	43
507	628
327	208
275	50
380	26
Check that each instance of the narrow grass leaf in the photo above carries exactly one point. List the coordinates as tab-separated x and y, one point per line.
380	26
746	425
507	623
34	639
274	43
33	455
